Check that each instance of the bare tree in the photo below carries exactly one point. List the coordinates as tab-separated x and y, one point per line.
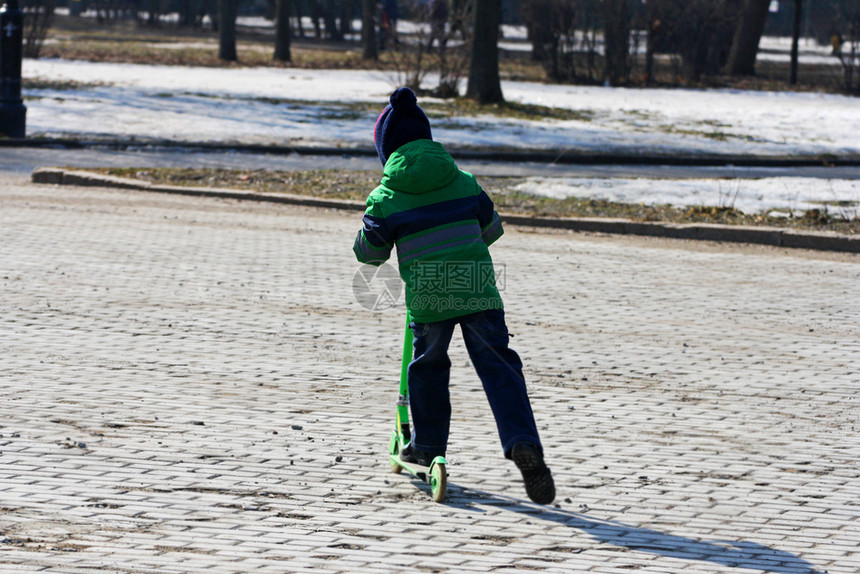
453	57
282	31
411	59
848	14
552	26
617	20
747	36
333	32
154	9
484	82
699	31
227	12
37	20
795	39
417	57
538	20
655	35
369	49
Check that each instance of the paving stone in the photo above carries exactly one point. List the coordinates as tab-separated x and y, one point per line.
698	402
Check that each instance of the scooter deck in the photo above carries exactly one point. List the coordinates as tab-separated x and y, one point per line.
436	475
422	472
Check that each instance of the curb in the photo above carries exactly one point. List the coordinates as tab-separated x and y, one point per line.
58	176
772	236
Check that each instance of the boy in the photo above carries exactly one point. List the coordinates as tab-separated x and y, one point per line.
441	222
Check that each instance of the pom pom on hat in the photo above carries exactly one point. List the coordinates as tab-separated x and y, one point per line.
403	100
401	122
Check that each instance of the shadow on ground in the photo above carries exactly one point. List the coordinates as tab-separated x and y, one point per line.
728	553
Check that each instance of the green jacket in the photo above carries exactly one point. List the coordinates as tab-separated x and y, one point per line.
441	222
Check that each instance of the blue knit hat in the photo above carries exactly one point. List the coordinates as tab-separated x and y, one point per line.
401	122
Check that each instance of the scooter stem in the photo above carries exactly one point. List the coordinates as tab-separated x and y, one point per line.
403	402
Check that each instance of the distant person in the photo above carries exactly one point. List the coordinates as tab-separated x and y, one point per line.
461	17
438	19
836	45
388	23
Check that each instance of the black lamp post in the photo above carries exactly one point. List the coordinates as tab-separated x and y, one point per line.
12	109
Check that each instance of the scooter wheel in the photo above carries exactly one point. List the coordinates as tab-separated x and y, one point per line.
394	453
438	482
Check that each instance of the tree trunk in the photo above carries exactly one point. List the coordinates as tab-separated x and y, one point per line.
649	56
795	39
746	39
330	19
369	48
227	12
346	18
298	11
316	14
186	13
538	21
616	34
153	8
282	31
484	84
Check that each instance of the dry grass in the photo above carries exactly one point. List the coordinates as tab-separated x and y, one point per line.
355	185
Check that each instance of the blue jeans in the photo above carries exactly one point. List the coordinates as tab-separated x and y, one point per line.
498	366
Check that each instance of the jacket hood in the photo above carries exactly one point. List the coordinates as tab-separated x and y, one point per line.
420	166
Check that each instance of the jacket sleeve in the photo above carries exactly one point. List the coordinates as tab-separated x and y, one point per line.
488	218
373	242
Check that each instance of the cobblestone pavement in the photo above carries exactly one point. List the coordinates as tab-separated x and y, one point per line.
189	385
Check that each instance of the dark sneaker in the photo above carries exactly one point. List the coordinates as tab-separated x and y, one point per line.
412	455
536	475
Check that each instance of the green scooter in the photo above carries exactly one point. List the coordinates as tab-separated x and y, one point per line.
436	475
